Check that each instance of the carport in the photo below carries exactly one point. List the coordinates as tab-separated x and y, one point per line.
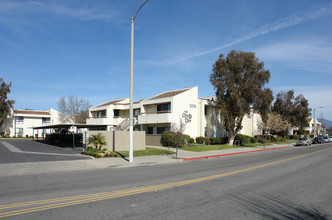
72	127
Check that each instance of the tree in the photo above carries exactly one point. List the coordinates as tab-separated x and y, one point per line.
74	110
293	109
177	130
274	123
5	104
239	81
98	140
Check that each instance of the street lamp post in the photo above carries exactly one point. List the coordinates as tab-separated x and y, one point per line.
315	120
131	111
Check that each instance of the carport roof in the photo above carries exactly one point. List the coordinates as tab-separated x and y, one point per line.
69	125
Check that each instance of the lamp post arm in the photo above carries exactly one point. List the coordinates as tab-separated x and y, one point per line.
140	9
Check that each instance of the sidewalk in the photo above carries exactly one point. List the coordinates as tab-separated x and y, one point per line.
31	168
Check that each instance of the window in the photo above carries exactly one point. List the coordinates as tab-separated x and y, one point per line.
160	130
150	130
101	114
137	111
164	108
46	120
116	112
19	119
19	131
205	109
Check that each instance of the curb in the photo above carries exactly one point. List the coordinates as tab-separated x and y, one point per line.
224	155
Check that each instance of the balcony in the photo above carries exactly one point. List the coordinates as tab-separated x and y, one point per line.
97	120
155	118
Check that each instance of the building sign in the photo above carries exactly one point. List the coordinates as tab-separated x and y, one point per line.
192	105
187	117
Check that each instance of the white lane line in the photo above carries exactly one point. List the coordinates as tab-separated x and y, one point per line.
10	147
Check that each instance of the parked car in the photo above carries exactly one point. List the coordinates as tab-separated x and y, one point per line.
327	139
303	141
318	140
330	138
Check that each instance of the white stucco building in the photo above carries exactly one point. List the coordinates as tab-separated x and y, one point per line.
251	124
22	122
158	113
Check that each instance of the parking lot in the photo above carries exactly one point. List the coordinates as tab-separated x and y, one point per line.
27	150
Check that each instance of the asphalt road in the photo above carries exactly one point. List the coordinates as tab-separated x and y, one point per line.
292	183
25	150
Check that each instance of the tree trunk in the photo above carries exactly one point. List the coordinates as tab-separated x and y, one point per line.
231	139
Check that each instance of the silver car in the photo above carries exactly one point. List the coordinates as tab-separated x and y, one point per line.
303	141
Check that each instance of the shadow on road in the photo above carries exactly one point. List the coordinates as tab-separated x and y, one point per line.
273	207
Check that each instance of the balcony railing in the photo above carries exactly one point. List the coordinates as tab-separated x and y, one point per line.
98	117
155	117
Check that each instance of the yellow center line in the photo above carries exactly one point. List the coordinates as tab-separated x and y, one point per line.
76	200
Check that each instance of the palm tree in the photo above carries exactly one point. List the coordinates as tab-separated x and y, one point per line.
98	140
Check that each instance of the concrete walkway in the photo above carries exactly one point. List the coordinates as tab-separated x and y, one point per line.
32	168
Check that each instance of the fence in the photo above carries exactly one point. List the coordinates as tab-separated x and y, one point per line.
153	139
119	140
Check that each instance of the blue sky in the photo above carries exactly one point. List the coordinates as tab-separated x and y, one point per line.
59	48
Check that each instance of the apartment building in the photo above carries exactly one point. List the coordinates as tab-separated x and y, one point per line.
154	115
22	122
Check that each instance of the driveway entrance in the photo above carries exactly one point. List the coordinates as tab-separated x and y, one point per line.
26	150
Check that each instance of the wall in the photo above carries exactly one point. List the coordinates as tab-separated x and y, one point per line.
119	140
185	108
153	140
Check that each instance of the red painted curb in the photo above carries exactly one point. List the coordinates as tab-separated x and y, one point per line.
223	155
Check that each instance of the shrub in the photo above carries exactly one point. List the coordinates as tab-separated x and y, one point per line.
98	153
98	140
191	141
244	139
207	141
224	140
295	137
186	137
173	139
253	140
200	140
215	140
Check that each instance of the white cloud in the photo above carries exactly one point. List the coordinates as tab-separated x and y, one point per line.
311	56
312	13
85	14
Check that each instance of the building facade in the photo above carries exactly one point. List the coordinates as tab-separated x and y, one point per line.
172	109
21	122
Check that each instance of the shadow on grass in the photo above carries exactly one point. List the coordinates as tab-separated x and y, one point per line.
273	207
122	156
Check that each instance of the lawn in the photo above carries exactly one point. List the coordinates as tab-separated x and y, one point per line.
147	152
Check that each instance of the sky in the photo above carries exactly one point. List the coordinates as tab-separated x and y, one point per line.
54	48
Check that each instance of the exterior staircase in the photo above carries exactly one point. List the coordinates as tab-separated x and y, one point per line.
123	126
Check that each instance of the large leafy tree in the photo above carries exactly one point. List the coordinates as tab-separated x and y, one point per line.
293	109
239	81
73	110
5	103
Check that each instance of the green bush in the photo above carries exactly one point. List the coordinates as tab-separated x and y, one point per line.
173	139
244	139
253	140
207	141
295	137
216	140
186	137
224	140
191	141
200	140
